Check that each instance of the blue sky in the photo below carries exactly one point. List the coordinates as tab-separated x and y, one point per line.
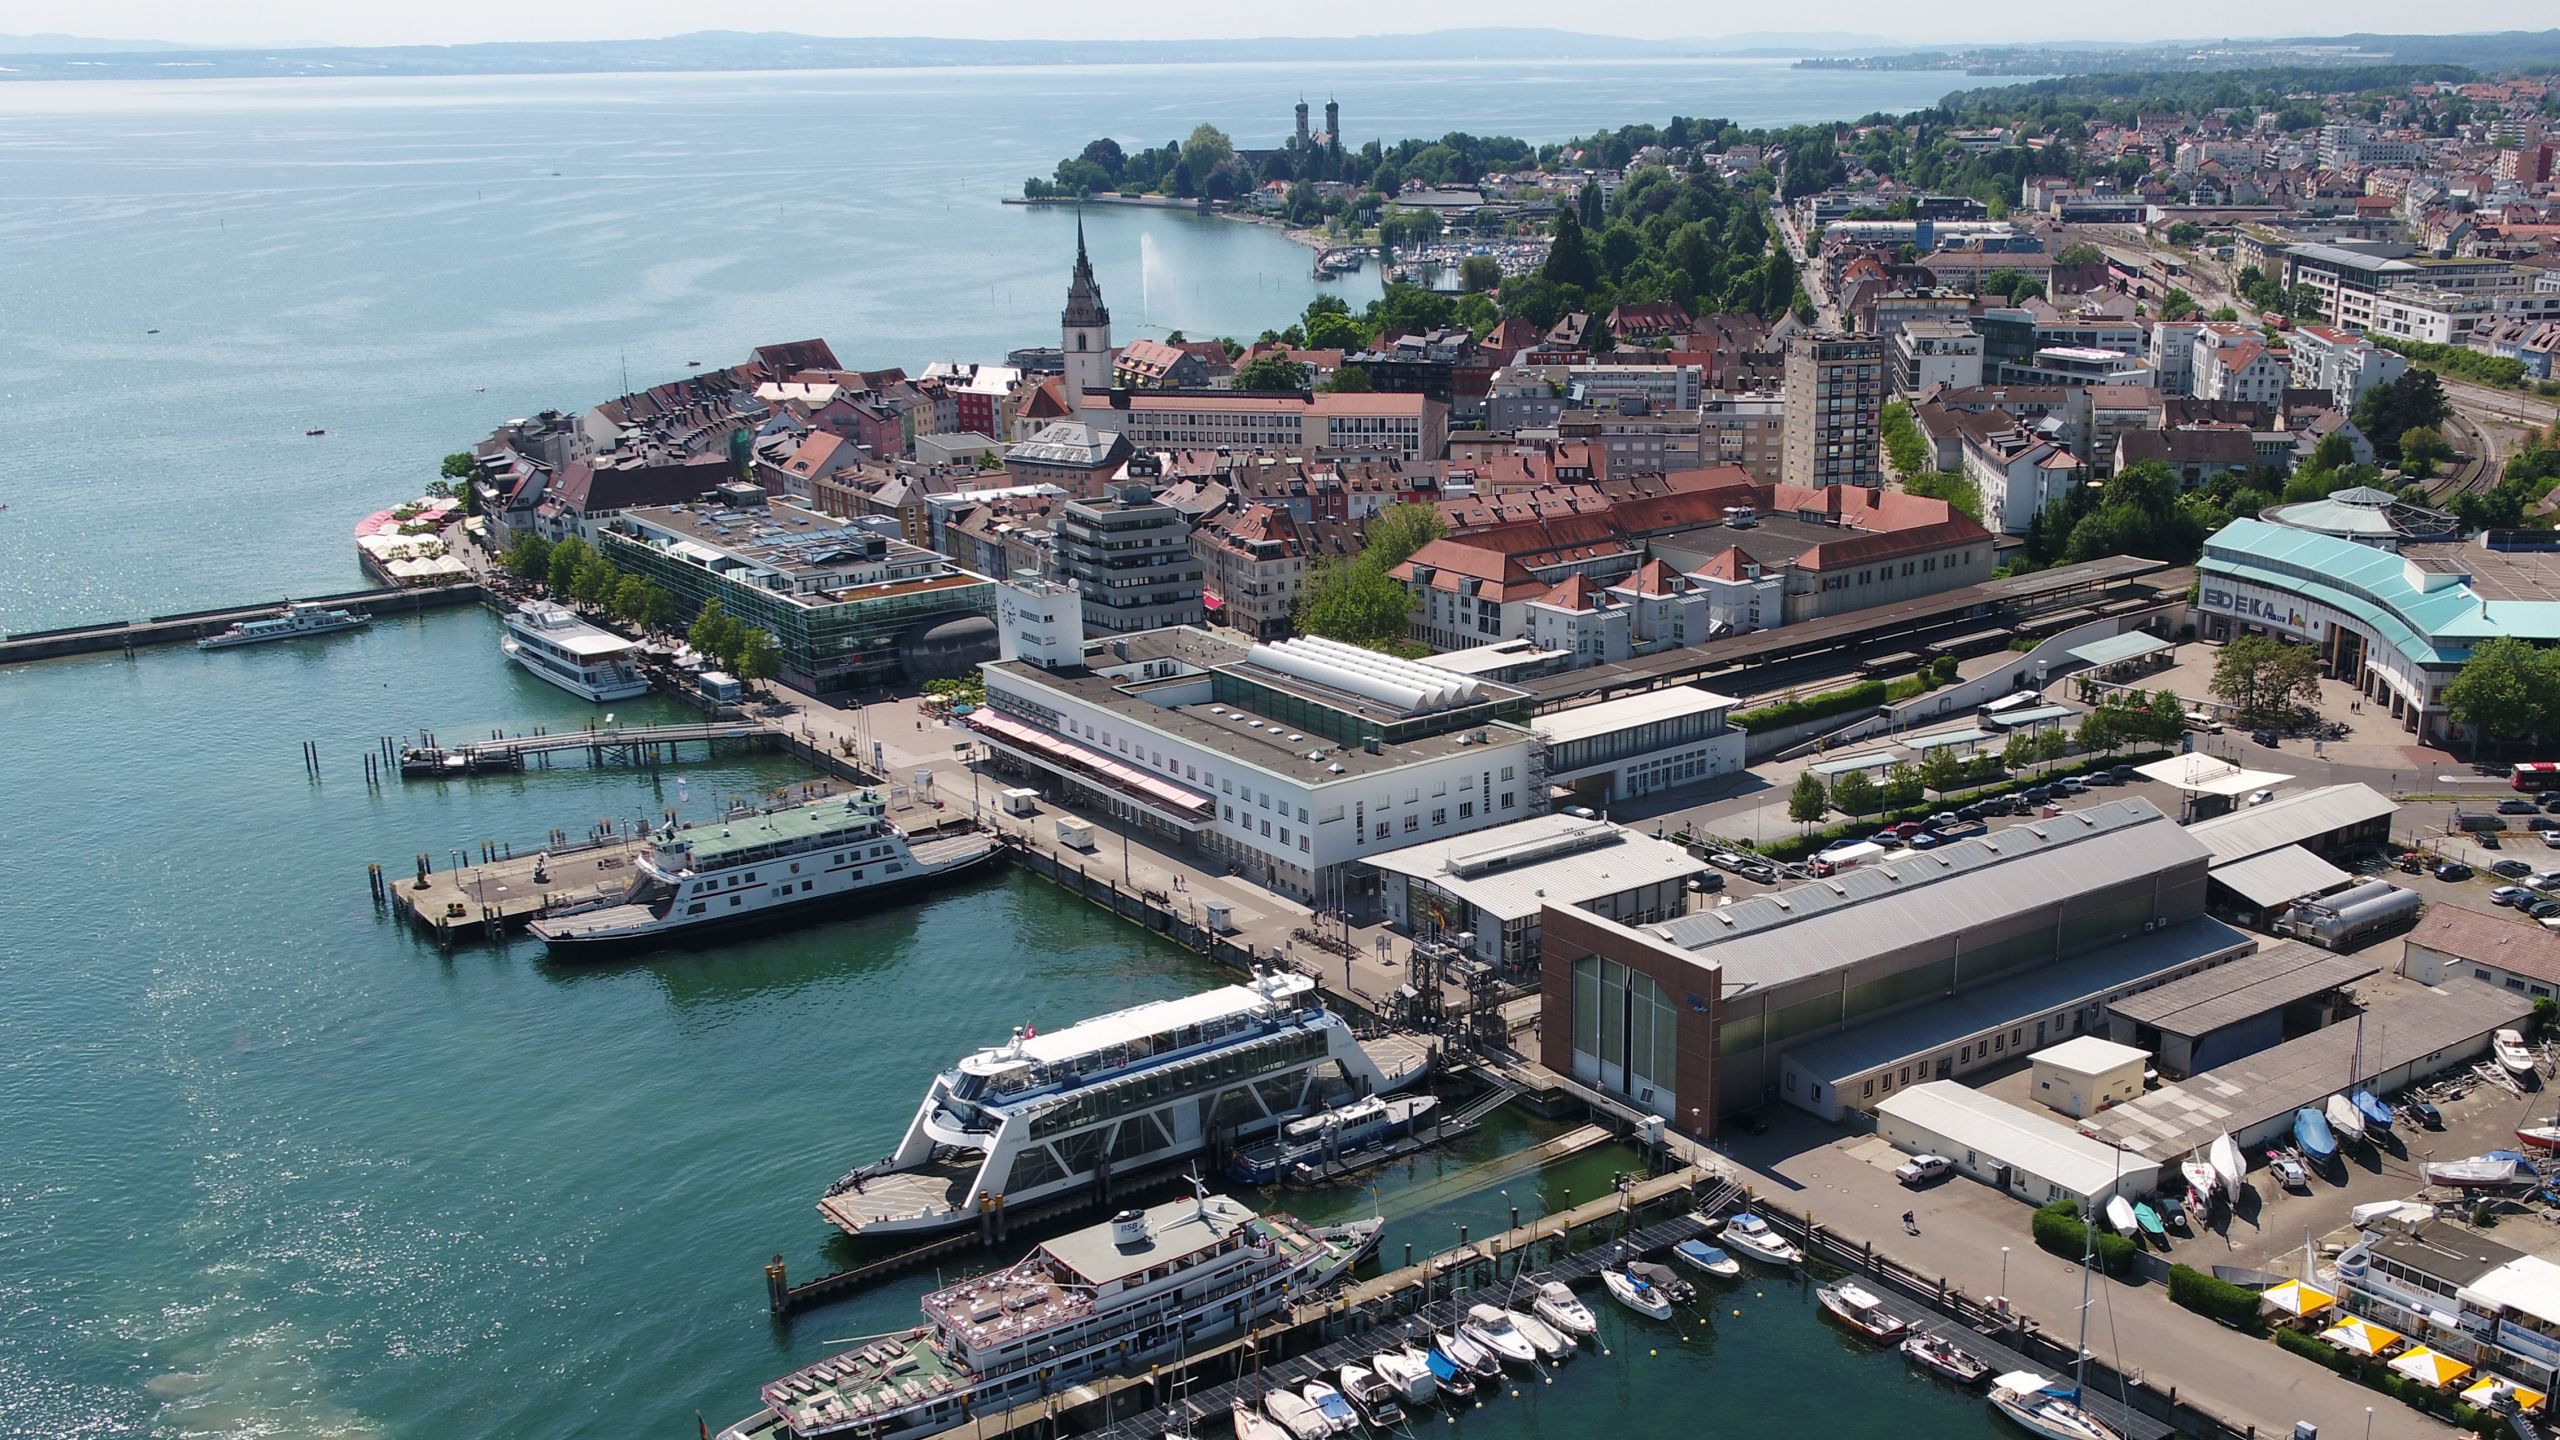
337	22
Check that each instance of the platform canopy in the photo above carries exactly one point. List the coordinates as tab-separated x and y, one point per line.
2206	775
2116	649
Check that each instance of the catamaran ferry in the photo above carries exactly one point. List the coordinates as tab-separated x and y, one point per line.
758	869
1141	1288
585	660
1039	1117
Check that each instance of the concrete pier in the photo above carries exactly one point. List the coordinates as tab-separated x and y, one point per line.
196	624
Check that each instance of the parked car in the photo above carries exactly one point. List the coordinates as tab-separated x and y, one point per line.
1943	819
1922	1170
2428	1115
2451	870
2102	777
2551	838
2126	773
2510	895
2263	737
1582	812
2510	869
2261	797
2551	803
1706	882
1729	861
1760	870
2410	861
2518	806
2544	879
2037	794
1903	831
2071	785
2543	909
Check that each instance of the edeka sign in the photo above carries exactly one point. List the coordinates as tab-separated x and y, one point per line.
2279	614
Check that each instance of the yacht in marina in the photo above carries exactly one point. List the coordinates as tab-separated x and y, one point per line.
1042	1115
295	620
766	868
1141	1288
586	660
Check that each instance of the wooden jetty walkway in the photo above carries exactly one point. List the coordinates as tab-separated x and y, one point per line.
649	745
502	894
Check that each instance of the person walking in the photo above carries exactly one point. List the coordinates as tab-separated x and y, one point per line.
1910	1224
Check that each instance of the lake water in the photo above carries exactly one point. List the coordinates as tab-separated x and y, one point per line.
269	1166
406	263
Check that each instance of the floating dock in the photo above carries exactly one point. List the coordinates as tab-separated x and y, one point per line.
643	745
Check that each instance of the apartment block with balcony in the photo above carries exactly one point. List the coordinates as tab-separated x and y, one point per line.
1129	557
1835	388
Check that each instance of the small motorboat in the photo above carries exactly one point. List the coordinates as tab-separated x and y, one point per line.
2377	1115
1448	1377
1634	1293
2311	1132
1462	1347
2513	1055
1490	1326
2229	1165
1339	1417
1860	1310
1250	1425
1944	1358
2173	1211
2477	1173
315	432
1664	1279
1373	1397
1552	1344
1750	1236
2152	1225
2119	1212
1564	1310
1700	1256
1302	1420
2290	1172
1409	1371
2346	1122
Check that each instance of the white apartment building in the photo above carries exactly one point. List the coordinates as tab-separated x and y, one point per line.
1293	762
2344	365
2447	317
1930	353
1350	426
2229	367
2018	473
2172	353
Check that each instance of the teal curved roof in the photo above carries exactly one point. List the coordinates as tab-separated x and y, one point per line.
2432	617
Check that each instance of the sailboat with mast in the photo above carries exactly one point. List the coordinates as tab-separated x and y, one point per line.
2046	1407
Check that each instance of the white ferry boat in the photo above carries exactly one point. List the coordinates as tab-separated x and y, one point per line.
1330	1136
1038	1117
760	869
297	619
552	642
1142	1288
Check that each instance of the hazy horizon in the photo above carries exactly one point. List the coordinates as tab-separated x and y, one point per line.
326	23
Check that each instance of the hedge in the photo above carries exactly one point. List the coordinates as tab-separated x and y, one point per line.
2216	1298
2314	1349
1865	695
2057	1227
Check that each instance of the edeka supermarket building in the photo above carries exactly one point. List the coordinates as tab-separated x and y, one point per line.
2395	626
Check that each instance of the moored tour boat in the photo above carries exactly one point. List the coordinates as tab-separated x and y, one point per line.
1330	1135
297	619
588	661
1856	1307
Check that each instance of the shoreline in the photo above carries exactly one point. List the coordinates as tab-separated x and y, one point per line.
1315	240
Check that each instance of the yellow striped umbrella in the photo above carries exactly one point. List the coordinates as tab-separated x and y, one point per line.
2361	1336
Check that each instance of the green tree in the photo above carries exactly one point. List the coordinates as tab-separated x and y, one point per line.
1347	380
1397	531
595	582
2178	305
1808	802
1941	770
2265	679
528	556
756	658
1856	793
1353	602
713	633
1334	329
1207	149
2019	752
2079	253
2185	232
458	465
1272	372
1479	272
2051	745
1901	785
1569	260
1950	487
2422	449
566	559
2507	689
631	599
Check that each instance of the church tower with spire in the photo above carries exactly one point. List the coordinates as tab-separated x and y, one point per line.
1085	330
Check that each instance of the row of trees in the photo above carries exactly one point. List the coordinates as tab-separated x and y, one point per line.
580	572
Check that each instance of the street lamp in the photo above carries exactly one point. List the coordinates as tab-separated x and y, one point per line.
2004	1269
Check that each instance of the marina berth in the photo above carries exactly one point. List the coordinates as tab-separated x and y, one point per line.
1033	1119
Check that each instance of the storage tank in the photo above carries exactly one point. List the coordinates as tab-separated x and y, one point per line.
2337	921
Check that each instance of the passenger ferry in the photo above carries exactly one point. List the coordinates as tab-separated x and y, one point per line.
1143	1287
551	641
297	619
1330	1136
763	868
1038	1117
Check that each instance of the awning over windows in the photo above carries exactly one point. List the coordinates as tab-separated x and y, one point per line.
1068	755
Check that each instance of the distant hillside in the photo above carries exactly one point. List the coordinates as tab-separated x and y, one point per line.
79	45
2507	51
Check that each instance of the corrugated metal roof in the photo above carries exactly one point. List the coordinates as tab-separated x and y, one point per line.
2243	989
1560	860
2181	1119
2131	645
2040	715
1824	924
2288	872
2290	820
1974	1121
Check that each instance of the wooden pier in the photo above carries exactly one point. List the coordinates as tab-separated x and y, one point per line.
500	894
643	745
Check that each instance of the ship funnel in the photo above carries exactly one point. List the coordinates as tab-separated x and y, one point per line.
1129	1229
